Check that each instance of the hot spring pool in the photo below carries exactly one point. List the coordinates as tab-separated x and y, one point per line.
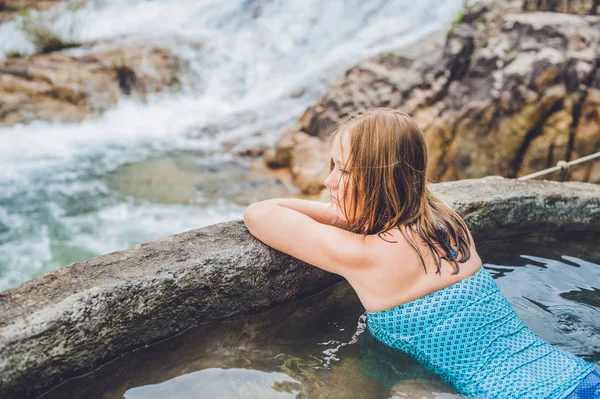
319	348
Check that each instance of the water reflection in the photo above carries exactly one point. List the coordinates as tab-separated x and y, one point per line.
222	384
558	298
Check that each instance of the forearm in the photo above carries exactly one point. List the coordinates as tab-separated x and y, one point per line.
321	212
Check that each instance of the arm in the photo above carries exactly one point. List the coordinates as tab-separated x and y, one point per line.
294	233
321	212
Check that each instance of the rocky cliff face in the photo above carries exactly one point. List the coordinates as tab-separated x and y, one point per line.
509	93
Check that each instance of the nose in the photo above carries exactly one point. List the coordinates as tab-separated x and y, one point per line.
330	181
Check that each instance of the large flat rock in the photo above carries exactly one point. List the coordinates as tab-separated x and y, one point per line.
72	320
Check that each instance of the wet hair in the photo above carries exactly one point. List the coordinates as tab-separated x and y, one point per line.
387	181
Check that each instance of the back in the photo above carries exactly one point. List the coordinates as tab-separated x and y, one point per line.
398	276
469	334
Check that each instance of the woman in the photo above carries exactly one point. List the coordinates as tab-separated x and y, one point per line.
413	264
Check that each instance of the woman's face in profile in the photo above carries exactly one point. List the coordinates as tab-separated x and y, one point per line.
339	177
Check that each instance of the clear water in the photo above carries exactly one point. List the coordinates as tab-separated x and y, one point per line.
254	67
317	347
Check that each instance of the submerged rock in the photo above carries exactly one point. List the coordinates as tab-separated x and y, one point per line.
62	86
199	179
69	321
509	93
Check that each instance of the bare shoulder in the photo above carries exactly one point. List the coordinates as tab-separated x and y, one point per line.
391	258
398	275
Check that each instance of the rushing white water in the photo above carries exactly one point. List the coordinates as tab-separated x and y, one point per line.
248	57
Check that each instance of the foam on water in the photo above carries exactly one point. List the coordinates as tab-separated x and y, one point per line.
245	59
123	220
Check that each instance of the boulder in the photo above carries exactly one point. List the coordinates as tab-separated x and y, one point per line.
309	162
66	87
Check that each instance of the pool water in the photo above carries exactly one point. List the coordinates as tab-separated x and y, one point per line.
319	347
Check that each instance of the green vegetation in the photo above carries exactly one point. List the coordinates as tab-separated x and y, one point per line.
14	53
44	38
459	17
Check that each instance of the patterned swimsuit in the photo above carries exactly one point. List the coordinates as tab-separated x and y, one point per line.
469	334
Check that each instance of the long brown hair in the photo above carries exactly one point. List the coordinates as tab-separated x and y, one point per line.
387	165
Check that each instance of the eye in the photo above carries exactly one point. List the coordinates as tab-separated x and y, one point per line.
332	167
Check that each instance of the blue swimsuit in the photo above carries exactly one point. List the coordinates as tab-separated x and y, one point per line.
469	334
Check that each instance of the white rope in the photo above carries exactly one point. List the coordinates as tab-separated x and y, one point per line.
561	166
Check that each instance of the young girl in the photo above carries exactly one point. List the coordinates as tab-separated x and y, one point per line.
413	264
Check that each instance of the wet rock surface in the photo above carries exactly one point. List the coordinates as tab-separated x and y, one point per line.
67	322
68	87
